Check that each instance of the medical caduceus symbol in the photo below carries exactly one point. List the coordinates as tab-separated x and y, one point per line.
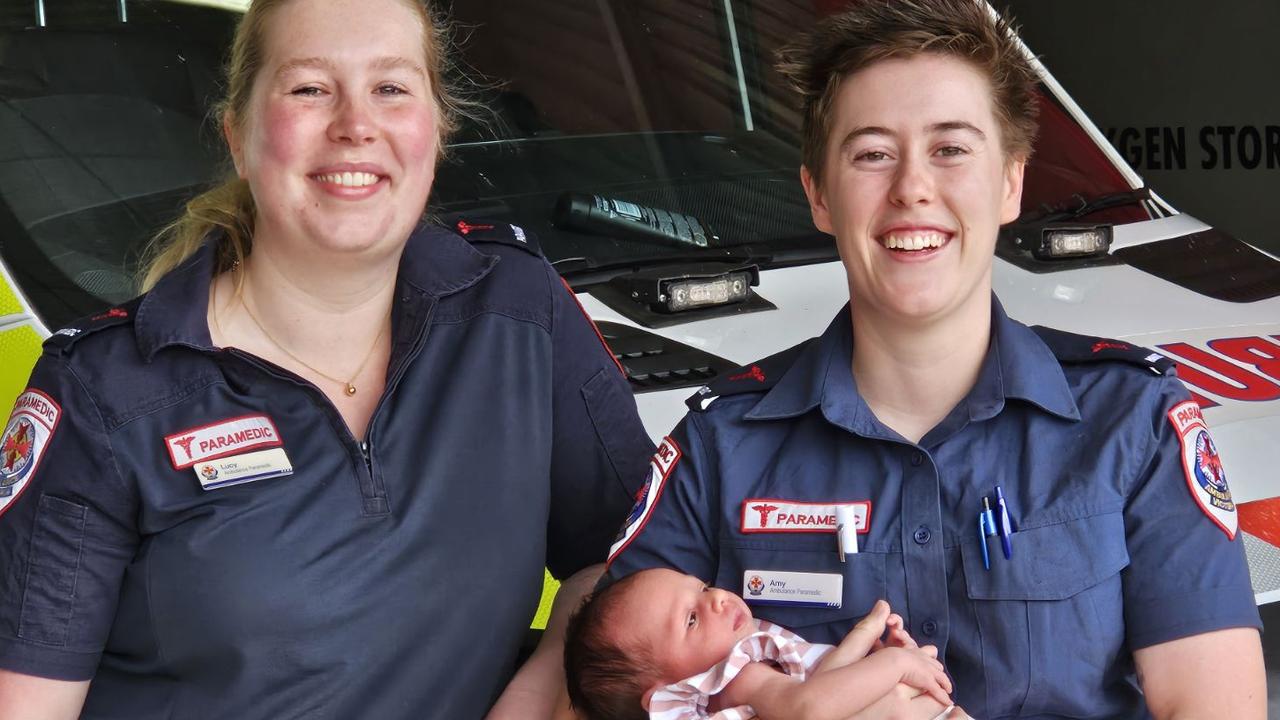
185	444
764	511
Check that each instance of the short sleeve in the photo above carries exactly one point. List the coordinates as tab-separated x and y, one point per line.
673	523
599	446
67	529
1187	573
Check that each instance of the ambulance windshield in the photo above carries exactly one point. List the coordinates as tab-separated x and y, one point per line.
672	105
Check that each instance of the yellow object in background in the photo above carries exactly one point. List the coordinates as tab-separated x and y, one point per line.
19	348
549	589
9	303
19	345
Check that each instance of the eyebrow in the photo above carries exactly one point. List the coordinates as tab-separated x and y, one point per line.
934	128
386	62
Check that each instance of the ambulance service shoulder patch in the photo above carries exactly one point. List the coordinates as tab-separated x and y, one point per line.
660	467
25	439
1203	467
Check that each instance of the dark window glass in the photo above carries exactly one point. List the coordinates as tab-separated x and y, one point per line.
105	131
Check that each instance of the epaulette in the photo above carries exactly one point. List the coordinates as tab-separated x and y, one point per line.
756	377
1072	348
499	232
62	340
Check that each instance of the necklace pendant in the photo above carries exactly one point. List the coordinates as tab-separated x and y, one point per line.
351	389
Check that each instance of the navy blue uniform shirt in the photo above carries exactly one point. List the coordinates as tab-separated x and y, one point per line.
1113	551
393	578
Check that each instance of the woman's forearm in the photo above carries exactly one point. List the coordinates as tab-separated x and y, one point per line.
537	690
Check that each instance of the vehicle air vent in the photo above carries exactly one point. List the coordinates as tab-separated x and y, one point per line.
1211	263
653	362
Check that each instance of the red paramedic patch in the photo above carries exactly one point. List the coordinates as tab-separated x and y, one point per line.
660	467
1203	467
26	437
772	515
220	439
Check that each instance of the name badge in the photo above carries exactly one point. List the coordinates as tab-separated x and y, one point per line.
240	469
793	589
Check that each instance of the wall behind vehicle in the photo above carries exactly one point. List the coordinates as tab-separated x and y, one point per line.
1184	90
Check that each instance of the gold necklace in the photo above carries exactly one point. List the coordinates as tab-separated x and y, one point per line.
348	385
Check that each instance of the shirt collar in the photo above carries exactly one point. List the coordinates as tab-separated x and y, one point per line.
1026	368
1017	365
435	263
821	377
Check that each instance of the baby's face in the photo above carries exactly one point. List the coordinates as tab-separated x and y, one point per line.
686	625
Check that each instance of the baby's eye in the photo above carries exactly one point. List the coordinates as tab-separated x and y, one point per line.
693	620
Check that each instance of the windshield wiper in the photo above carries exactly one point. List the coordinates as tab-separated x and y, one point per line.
1077	206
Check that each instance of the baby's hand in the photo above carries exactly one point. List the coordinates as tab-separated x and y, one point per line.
898	636
862	639
920	669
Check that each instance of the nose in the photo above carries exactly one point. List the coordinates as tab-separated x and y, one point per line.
352	122
912	182
717	600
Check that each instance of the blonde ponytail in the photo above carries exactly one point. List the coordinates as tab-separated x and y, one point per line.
227	209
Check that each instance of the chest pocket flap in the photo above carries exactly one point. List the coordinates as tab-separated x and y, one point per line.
1053	562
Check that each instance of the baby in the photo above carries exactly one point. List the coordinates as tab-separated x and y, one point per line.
660	644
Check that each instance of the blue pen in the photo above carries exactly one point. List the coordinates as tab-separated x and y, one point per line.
1006	525
986	528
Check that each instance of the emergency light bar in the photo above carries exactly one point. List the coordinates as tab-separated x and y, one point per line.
1057	242
671	295
689	294
1031	244
699	286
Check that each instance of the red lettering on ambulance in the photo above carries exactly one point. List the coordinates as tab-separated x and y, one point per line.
1244	385
1256	351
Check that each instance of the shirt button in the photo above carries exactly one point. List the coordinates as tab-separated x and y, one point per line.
929	627
922	535
917	457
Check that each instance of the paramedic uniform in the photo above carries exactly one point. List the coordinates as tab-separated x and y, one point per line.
1125	529
197	531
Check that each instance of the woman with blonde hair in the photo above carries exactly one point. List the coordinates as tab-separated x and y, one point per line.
317	469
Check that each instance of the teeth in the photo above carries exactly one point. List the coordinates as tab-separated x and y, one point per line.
349	179
913	241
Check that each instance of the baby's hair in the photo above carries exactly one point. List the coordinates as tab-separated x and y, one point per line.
606	680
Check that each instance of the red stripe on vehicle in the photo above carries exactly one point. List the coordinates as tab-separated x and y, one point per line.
1261	518
1248	386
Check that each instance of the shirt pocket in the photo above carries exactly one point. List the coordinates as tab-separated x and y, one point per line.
863	582
1051	617
48	600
